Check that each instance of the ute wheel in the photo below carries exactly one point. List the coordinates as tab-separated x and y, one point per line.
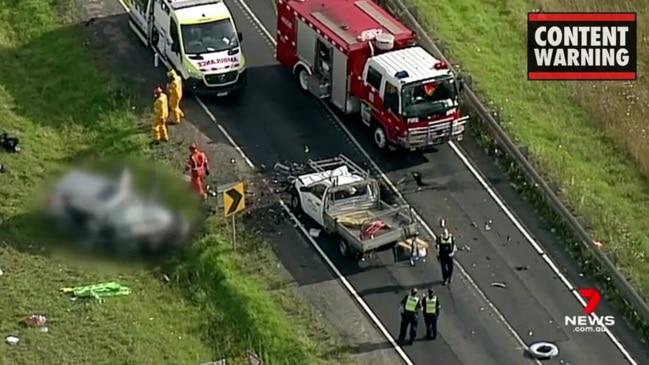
302	76
343	246
379	137
295	202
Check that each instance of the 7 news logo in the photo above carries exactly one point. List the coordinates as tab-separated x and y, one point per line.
589	321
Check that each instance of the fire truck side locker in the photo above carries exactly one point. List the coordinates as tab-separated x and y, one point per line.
340	84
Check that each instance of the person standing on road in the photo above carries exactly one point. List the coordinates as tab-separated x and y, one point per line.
410	306
446	255
431	313
175	90
198	165
161	110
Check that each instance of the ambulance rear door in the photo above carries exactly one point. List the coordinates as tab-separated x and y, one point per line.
140	15
160	31
173	47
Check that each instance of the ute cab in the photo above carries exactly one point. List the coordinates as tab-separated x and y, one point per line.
197	38
358	57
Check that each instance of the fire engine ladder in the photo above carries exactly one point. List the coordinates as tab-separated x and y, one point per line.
329	164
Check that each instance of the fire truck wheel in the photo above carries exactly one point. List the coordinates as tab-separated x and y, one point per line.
380	139
302	78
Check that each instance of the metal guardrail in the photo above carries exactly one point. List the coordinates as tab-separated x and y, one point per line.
630	294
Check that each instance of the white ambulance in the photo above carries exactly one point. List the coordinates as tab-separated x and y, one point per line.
197	38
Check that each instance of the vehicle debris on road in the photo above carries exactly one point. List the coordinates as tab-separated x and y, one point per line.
543	350
498	284
415	247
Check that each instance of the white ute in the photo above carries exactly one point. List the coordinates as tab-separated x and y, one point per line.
344	200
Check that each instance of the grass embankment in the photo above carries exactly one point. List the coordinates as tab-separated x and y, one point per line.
218	303
580	134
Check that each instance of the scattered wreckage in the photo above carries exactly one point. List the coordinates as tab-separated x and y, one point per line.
344	200
109	212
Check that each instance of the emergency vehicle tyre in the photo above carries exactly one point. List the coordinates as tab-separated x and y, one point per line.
380	137
302	76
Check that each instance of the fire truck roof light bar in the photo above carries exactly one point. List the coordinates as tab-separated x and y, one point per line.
336	28
370	10
402	75
182	4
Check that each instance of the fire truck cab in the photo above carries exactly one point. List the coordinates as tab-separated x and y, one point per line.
355	55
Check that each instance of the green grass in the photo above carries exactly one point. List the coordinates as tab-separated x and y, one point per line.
218	303
556	121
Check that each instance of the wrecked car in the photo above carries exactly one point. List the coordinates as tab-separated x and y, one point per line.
109	211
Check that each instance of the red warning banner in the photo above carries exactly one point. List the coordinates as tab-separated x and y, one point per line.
582	46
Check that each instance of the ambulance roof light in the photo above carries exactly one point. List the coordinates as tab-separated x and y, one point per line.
441	65
401	74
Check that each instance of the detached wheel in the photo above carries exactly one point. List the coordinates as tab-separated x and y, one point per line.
302	76
343	247
380	137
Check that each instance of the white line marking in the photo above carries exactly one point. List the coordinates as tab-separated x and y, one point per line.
473	171
491	193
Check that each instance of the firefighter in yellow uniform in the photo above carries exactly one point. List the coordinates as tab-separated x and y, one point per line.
175	90
161	110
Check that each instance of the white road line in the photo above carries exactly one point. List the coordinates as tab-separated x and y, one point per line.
491	193
464	273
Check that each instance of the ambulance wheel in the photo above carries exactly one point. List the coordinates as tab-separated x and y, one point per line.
379	136
302	76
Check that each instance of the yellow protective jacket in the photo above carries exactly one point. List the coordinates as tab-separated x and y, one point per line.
161	108
176	87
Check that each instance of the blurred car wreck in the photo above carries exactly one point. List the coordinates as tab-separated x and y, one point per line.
109	212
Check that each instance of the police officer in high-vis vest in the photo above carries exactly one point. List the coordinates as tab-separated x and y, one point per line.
410	307
431	313
446	253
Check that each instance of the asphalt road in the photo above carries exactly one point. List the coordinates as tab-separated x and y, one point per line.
273	122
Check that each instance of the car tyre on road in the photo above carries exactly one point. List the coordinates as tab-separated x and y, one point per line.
296	206
343	246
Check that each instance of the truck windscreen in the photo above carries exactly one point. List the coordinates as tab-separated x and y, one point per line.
209	37
425	98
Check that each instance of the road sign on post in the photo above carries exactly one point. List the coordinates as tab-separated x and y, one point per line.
234	199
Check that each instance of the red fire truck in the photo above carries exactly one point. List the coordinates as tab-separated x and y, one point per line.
361	59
